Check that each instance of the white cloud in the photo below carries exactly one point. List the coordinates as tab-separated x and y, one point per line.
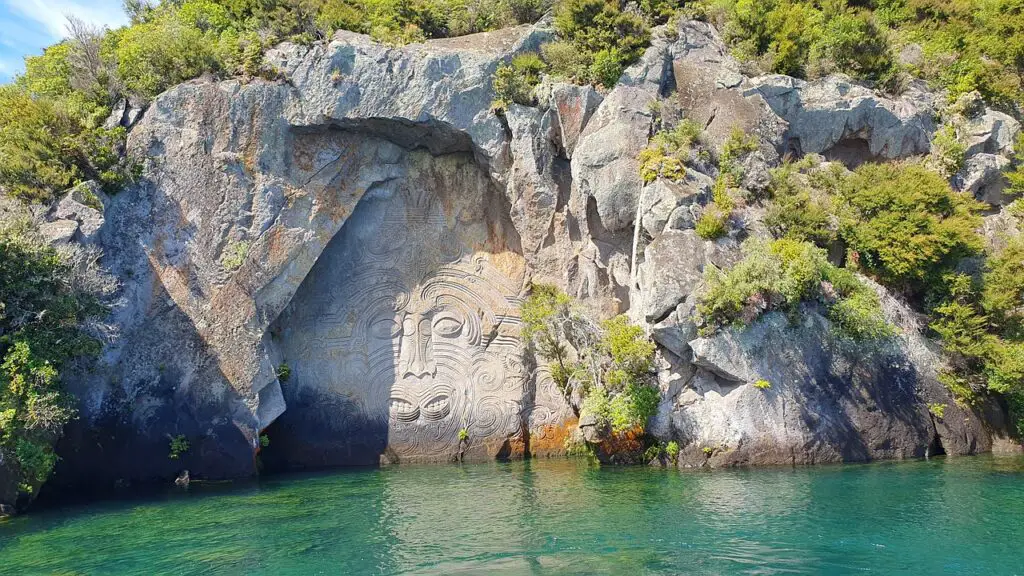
52	14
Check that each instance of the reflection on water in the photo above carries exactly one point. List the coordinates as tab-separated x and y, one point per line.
956	516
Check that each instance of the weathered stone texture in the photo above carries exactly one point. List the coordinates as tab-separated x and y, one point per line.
372	224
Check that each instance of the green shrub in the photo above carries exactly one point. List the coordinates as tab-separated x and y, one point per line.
668	151
40	321
850	41
735	147
264	441
714	220
627	345
624	411
904	223
713	223
37	146
607	365
566	61
179	445
763	385
938	410
804	38
948	152
527	11
1003	292
545	315
515	82
234	255
1015	176
781	275
606	38
162	52
799	211
284	372
672	450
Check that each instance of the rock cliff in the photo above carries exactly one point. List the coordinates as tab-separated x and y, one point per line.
336	260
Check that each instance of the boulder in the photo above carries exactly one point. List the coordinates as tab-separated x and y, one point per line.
58	231
672	269
662	198
982	176
992	132
82	205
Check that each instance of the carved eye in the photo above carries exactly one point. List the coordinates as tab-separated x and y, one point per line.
448	326
386	327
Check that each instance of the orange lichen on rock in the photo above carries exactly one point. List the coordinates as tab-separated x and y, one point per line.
550	439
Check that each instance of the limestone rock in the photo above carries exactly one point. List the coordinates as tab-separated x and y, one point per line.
845	121
993	132
982	176
830	399
573	106
58	231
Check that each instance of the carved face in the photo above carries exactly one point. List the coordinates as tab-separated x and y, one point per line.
418	331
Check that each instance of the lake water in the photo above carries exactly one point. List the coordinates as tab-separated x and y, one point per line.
944	516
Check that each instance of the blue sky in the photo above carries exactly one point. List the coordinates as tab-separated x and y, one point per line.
28	26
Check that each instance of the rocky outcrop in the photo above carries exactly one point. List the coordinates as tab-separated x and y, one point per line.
847	122
828	400
336	260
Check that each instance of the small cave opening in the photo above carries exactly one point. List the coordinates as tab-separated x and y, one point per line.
935	447
850	152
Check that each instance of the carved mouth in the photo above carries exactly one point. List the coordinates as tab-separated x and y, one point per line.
437	408
404	411
433	403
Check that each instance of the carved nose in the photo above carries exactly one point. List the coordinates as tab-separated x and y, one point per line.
417	348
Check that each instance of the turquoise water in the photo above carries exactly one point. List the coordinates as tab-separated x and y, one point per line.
944	516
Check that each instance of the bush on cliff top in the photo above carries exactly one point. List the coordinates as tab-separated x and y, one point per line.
964	45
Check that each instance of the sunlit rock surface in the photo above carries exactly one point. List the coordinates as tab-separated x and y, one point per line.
335	262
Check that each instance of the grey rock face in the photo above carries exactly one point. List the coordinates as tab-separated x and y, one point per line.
829	399
992	132
572	106
251	186
397	345
673	267
982	176
847	122
711	91
369	226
